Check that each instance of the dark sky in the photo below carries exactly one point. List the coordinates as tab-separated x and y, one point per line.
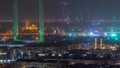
98	8
53	8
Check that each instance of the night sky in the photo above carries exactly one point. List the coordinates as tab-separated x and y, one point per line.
53	8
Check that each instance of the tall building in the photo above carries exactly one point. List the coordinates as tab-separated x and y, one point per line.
65	14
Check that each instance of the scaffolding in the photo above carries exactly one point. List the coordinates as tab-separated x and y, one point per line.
41	21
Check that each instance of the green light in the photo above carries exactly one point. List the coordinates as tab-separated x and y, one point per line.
41	22
113	34
116	38
19	57
108	38
70	34
15	20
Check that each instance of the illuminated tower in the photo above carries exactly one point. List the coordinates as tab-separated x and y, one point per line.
41	22
95	43
65	14
15	28
27	24
101	44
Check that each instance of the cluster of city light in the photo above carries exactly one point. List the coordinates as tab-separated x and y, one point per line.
113	34
6	61
30	27
72	34
108	34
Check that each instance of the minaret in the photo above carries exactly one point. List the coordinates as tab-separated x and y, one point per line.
101	44
27	24
95	43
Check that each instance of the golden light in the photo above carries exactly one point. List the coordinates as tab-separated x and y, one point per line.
113	47
23	67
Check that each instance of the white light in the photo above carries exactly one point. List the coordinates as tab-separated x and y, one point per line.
53	54
105	34
41	54
59	55
91	34
3	53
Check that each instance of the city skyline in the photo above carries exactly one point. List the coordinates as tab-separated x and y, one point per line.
59	34
65	10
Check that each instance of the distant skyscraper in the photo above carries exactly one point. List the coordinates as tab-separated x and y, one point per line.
64	4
